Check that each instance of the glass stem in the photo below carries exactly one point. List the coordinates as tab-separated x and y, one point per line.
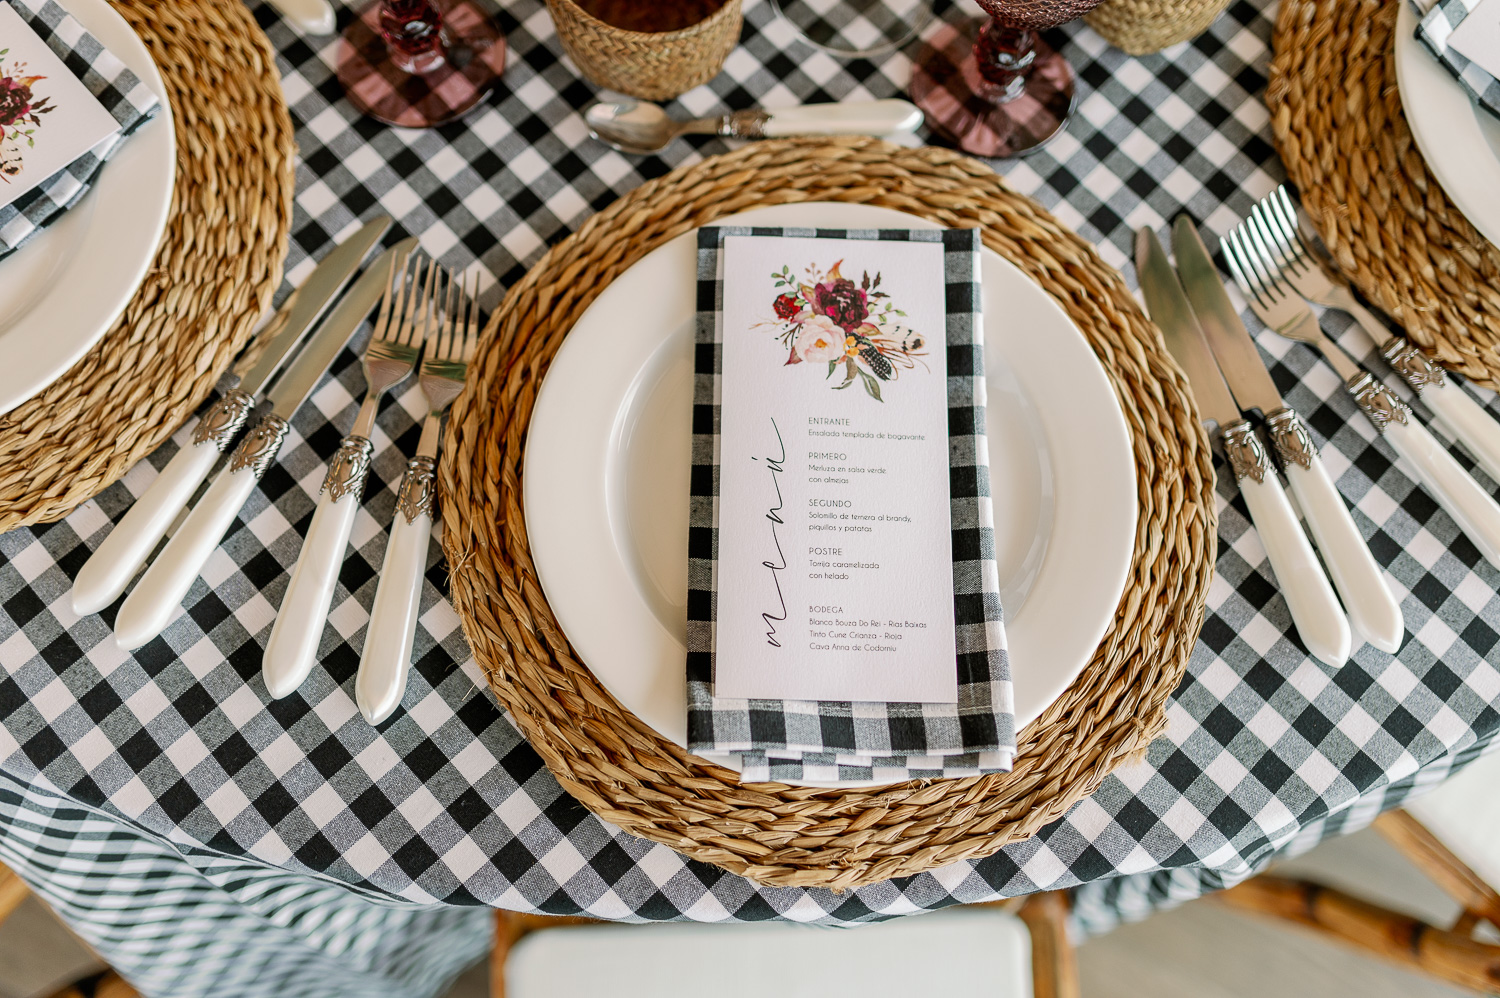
413	30
1005	54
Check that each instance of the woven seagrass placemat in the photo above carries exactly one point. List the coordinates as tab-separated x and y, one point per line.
1344	139
779	835
214	273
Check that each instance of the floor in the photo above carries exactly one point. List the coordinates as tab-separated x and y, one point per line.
1201	950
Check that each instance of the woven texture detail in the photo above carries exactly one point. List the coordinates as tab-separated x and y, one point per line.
1142	26
215	271
1342	134
653	65
778	835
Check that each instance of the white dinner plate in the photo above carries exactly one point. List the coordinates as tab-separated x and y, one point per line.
1460	141
64	288
607	459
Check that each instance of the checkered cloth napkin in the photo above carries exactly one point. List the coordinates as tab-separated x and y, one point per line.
840	741
121	92
1434	28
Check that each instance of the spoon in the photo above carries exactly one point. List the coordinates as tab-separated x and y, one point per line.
640	128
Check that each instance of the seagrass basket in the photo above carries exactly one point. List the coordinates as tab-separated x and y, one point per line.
1142	26
655	65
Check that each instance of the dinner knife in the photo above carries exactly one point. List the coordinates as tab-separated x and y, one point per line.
109	570
157	597
1373	611
1315	609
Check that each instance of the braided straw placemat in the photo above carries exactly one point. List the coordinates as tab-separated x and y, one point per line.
627	774
1341	132
218	264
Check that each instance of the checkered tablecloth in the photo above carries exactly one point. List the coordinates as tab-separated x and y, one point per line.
446	805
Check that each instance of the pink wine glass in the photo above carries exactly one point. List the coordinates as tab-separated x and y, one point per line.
999	90
420	63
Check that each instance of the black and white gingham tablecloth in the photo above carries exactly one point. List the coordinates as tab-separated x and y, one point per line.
292	834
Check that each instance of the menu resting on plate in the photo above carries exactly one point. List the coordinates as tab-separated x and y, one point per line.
844	618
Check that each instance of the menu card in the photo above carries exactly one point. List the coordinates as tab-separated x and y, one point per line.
835	560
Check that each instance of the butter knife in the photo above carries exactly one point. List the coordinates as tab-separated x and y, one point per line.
1373	611
157	597
110	568
1315	609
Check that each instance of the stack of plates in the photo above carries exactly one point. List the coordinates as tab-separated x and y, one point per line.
1459	139
64	289
608	453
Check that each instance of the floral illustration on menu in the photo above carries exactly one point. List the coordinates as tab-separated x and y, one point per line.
20	115
826	318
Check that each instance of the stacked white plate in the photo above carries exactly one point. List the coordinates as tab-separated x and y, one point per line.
607	459
63	290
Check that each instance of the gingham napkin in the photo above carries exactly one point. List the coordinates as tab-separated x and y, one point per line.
1433	29
121	92
844	741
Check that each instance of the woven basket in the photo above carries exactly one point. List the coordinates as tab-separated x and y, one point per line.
218	264
1342	134
1143	26
624	771
652	65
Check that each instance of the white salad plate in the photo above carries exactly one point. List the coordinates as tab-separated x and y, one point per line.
608	453
63	290
1460	141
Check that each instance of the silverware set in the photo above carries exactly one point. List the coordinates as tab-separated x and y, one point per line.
1279	274
426	315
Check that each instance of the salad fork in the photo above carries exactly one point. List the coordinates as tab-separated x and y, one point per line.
1282	309
386	658
1272	231
406	316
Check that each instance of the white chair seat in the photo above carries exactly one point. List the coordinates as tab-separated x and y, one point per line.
1464	814
970	952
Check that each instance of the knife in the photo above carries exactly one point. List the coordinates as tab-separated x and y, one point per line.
157	598
1315	610
1373	610
110	568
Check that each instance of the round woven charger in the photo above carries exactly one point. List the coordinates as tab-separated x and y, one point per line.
627	774
1142	26
1346	145
218	263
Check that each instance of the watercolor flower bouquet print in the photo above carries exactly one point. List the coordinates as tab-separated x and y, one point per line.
21	113
824	317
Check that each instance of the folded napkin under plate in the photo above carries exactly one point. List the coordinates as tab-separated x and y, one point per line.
844	741
118	90
1435	29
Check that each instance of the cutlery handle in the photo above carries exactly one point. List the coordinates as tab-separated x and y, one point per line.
1466	501
1373	611
393	619
315	17
109	570
1315	609
1468	422
293	647
880	117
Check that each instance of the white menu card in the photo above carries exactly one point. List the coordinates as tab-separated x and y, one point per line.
835	561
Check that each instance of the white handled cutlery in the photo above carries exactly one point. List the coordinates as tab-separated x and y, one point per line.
1373	611
406	318
1314	608
1283	310
641	128
384	662
109	570
157	597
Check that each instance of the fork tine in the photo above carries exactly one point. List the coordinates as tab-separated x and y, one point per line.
1246	275
471	327
1286	212
1254	257
1277	260
1231	257
383	318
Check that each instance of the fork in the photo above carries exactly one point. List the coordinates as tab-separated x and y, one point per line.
1277	305
384	662
404	320
1273	231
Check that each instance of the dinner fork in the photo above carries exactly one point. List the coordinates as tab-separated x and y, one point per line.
405	318
386	657
1272	231
1279	306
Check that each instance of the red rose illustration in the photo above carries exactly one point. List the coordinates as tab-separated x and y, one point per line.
842	302
786	306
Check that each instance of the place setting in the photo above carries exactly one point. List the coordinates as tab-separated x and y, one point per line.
743	461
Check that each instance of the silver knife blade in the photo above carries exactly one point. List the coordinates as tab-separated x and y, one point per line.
302	308
297	381
1228	338
1171	312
